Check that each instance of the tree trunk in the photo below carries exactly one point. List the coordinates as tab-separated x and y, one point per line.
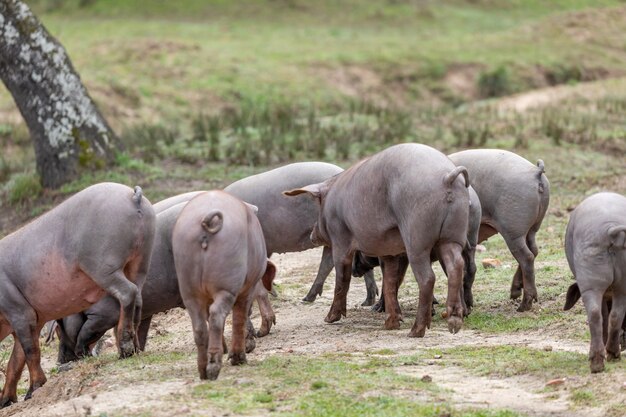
67	129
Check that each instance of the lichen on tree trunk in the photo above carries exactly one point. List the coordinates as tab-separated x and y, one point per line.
66	127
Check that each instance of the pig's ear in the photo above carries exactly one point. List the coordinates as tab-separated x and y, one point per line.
254	208
617	235
314	189
268	276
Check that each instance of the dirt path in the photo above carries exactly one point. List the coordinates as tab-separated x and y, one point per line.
300	329
550	95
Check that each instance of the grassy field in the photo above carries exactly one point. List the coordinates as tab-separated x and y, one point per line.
203	93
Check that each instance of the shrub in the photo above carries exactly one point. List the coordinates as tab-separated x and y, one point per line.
23	187
495	83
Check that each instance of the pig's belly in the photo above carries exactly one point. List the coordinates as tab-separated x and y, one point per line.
60	289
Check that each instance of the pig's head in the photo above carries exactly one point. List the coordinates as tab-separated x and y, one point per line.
319	236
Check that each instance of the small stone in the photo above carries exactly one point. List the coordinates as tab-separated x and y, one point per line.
491	263
550	229
427	378
547	348
430	362
556	382
437	356
444	314
184	410
481	248
289	350
624	385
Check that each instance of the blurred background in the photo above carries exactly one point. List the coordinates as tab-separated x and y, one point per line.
203	92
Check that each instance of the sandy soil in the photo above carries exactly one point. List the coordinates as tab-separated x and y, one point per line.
85	390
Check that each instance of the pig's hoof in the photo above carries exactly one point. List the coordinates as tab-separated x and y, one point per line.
266	326
392	323
213	370
7	401
127	349
516	293
379	307
237	358
597	364
309	298
368	301
250	344
332	317
312	295
419	331
525	305
612	356
454	324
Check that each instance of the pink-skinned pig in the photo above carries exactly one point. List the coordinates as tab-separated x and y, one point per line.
220	256
98	241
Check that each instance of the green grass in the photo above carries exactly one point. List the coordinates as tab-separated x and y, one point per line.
340	387
23	187
181	58
583	397
503	361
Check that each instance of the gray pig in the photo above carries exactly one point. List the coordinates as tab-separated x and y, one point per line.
595	246
378	208
287	223
265	307
363	263
97	241
159	293
514	195
220	256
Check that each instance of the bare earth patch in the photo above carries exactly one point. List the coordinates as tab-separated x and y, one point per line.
163	388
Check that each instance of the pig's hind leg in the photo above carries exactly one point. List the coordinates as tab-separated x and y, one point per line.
593	304
222	305
526	271
616	318
199	315
394	268
23	320
425	277
126	292
326	266
243	340
451	255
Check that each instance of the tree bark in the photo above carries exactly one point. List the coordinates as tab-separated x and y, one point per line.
67	130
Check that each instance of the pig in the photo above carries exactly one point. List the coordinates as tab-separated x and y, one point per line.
514	195
362	263
377	207
97	241
595	246
220	255
159	293
265	307
287	223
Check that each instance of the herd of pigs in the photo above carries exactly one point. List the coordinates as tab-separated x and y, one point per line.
107	257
